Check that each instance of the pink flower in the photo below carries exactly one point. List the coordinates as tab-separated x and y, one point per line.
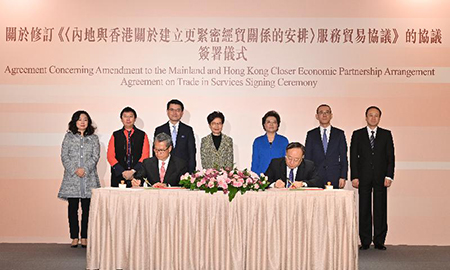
256	186
223	185
222	181
222	177
237	184
199	184
211	184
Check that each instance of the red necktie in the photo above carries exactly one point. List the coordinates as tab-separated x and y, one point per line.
162	172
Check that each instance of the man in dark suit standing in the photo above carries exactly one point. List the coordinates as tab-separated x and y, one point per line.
182	134
372	164
292	171
326	146
163	169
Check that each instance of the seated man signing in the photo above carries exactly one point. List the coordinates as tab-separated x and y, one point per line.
292	171
163	169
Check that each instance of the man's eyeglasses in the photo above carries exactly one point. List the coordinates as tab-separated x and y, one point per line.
291	159
160	150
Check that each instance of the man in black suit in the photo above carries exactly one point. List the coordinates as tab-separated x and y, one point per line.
163	169
326	146
372	164
182	134
292	171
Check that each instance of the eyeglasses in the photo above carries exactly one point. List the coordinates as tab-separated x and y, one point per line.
291	159
159	151
324	112
271	122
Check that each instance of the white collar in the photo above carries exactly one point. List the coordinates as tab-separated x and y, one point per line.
369	131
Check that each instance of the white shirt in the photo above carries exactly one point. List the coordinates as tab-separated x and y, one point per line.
369	131
288	171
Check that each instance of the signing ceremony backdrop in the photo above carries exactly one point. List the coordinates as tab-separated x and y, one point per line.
239	57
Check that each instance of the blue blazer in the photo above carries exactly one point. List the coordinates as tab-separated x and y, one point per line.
332	165
264	152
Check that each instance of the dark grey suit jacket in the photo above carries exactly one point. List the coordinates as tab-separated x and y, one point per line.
306	172
332	165
176	168
185	145
369	164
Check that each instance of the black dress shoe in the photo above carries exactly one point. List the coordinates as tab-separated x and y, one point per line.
83	242
364	247
380	247
74	243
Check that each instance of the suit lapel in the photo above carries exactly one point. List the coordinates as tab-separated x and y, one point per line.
154	170
179	133
171	169
333	138
319	139
300	171
366	138
166	129
378	138
211	143
283	170
221	146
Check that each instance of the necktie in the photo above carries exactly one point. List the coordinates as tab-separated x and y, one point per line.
174	135
372	140
162	173
129	150
325	141
291	178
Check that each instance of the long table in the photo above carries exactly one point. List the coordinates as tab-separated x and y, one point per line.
183	229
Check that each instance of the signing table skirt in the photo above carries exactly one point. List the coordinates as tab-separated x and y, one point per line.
183	229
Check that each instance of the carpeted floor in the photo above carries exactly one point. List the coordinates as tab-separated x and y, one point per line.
55	256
